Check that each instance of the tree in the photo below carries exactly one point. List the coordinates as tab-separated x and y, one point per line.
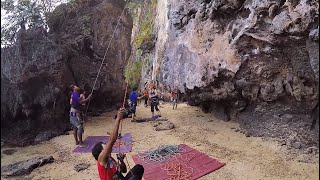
22	15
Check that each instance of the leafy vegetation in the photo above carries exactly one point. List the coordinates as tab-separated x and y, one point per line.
146	26
86	25
23	14
145	22
132	73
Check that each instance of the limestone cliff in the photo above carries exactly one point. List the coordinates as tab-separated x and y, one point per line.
37	71
255	62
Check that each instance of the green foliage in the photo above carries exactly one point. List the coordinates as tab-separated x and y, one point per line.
146	26
145	22
23	14
133	9
132	73
86	25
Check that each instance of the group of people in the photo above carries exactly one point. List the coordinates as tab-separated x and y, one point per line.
150	95
108	167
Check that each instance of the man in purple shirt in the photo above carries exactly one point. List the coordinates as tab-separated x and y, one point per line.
75	118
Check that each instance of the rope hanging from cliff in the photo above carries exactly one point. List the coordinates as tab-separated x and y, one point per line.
123	105
105	54
99	71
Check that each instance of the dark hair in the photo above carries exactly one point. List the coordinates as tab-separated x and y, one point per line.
137	170
97	150
134	88
71	87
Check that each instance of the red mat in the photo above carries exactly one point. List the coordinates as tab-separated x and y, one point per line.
190	163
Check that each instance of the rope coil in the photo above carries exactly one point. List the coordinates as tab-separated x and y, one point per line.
176	167
160	154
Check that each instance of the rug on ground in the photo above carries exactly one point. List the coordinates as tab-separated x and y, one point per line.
125	144
188	164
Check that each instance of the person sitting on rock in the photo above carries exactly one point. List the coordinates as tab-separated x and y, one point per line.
75	117
108	168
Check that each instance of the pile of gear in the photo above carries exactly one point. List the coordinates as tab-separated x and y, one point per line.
160	154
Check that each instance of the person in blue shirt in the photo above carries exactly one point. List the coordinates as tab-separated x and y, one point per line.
133	99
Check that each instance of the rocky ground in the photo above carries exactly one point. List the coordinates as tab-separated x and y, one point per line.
245	157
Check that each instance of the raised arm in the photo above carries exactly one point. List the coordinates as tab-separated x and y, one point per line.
83	100
106	152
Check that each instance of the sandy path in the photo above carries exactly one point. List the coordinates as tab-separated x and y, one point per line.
245	157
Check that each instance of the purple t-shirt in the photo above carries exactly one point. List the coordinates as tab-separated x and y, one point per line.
75	100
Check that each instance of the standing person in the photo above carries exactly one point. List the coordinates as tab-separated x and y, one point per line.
171	96
174	100
134	97
151	85
75	117
83	104
146	96
153	95
161	95
139	99
108	168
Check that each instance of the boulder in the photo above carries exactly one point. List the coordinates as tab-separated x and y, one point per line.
35	88
25	167
163	125
81	167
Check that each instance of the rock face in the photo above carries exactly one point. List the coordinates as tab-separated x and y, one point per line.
37	71
25	167
81	167
255	62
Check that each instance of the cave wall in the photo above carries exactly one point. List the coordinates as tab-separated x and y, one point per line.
38	69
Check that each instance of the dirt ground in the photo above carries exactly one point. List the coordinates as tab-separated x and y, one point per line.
245	157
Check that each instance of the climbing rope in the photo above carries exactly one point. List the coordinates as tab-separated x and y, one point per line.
178	169
160	154
123	105
99	71
171	160
104	57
